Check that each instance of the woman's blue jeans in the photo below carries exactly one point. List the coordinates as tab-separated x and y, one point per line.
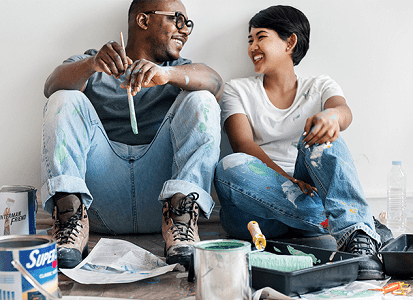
121	184
250	191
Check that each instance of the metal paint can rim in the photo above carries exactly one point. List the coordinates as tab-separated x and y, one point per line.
16	188
29	240
237	245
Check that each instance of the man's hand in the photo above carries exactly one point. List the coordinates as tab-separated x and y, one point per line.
322	128
143	73
111	59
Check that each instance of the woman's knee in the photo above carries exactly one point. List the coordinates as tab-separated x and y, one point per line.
231	164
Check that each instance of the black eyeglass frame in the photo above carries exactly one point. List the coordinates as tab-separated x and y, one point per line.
177	15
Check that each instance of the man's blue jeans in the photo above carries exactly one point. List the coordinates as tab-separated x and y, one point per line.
250	191
121	184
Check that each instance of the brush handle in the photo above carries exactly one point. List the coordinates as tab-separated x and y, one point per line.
133	121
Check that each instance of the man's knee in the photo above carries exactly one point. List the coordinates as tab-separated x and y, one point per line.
67	104
202	100
202	94
64	98
204	112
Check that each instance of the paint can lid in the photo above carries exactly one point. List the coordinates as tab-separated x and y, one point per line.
223	245
16	188
24	242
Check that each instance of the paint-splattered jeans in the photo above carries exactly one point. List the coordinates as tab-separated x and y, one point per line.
120	184
249	190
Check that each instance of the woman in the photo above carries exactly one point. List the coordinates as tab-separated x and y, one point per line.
290	168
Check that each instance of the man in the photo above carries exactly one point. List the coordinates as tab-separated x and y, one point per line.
96	172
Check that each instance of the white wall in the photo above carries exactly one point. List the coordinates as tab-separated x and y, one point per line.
366	46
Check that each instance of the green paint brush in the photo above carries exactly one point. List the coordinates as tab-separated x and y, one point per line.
133	121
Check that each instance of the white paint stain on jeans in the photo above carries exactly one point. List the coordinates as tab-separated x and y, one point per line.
291	191
233	161
316	153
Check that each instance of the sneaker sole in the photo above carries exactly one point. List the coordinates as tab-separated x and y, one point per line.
370	275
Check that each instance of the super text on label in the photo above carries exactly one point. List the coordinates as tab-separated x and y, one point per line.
42	259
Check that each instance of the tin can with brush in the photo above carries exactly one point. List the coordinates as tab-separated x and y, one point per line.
28	267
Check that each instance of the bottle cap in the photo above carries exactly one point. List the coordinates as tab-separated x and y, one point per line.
396	162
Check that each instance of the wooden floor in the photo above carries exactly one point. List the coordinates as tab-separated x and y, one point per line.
172	285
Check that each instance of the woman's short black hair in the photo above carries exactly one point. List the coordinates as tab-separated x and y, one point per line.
285	20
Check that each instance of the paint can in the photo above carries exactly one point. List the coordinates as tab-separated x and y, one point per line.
17	210
222	270
28	267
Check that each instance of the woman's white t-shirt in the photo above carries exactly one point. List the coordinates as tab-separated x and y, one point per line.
277	131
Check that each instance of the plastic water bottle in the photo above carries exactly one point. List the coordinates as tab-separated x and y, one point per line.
396	195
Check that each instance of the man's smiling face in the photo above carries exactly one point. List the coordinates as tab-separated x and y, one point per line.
165	38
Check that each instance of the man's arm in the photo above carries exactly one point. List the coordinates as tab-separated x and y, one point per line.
193	77
110	59
196	77
69	76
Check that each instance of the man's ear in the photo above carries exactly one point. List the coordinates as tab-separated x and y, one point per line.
142	20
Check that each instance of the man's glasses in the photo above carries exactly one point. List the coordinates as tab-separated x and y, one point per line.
180	19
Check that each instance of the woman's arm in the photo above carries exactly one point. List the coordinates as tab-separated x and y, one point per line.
241	138
325	126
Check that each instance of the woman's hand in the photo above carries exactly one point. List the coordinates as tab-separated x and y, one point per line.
325	126
305	187
322	128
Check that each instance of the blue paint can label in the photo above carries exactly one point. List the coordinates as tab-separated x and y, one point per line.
38	255
17	210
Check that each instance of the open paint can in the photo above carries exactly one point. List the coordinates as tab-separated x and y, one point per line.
222	270
17	210
28	267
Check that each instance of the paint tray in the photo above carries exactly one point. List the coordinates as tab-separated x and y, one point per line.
332	268
398	257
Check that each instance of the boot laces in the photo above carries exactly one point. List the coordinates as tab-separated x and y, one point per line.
67	232
361	244
183	231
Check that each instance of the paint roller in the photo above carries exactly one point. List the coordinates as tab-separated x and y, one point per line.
284	263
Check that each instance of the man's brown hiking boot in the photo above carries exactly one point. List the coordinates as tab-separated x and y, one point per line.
71	234
180	228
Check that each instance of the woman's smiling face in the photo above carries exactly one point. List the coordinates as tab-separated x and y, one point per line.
267	50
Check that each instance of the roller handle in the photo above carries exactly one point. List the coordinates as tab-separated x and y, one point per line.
257	237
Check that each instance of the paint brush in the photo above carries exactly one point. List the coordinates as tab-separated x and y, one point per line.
133	121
